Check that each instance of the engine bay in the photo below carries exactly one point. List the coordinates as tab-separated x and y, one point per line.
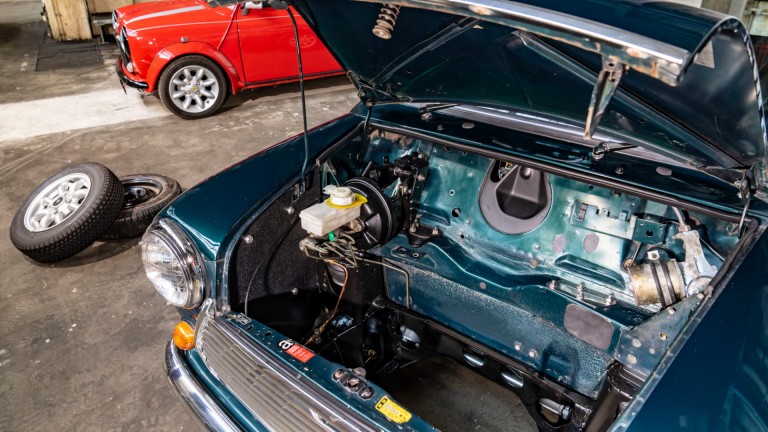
565	292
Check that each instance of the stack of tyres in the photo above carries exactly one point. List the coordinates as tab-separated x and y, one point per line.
85	202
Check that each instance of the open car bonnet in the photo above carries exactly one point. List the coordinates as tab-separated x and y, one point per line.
677	80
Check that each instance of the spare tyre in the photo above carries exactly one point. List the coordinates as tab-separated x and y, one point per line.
144	195
67	212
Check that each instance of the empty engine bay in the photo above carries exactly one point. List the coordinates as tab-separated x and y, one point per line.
565	292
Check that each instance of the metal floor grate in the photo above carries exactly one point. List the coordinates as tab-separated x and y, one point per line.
54	55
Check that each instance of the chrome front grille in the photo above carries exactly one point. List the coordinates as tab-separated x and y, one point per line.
269	389
122	46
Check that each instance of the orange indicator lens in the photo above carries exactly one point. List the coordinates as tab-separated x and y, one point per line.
184	336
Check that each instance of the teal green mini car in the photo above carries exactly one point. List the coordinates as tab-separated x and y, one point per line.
565	199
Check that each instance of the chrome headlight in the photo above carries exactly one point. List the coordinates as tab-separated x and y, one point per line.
173	264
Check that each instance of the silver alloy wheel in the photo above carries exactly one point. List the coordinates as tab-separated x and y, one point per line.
57	202
194	88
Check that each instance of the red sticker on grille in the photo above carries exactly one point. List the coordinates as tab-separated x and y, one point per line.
296	351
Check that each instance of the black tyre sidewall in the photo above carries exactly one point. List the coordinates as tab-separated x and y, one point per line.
173	67
133	221
82	227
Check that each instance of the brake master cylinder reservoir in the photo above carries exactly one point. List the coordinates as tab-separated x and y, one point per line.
342	207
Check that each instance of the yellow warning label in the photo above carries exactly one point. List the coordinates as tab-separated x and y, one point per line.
393	411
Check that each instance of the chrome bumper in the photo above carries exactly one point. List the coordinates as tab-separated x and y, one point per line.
208	411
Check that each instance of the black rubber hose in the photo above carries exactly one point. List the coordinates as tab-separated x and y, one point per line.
301	89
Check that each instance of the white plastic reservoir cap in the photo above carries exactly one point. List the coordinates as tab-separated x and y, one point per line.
342	196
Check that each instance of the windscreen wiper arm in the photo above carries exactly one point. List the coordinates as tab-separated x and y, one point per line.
427	110
601	149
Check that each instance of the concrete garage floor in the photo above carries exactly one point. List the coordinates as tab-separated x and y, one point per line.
82	341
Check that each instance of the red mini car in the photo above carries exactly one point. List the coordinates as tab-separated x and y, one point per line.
195	53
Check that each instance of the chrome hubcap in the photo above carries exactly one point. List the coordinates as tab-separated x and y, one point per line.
57	202
194	89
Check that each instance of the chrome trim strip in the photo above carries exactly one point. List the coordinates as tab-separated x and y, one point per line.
212	416
660	60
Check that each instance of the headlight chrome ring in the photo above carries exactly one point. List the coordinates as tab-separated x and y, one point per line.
173	264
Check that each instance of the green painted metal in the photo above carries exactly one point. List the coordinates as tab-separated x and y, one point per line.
473	272
473	277
716	377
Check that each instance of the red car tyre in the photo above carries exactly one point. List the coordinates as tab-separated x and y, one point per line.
192	87
67	212
144	195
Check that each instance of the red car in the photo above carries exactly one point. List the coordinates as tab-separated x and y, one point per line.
196	53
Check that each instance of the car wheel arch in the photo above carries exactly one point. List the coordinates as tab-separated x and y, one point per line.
174	52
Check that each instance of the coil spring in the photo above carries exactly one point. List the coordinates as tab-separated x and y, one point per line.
387	20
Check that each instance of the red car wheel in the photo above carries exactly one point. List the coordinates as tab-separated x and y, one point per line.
192	87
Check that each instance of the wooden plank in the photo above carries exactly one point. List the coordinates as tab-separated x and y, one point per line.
68	19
